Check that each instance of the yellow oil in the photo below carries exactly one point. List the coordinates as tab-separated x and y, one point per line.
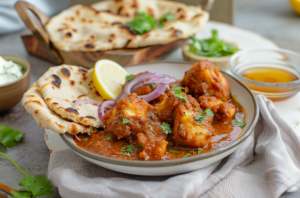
269	75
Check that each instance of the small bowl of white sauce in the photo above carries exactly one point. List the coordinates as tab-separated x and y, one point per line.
14	80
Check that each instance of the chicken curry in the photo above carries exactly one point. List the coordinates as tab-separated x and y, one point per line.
189	117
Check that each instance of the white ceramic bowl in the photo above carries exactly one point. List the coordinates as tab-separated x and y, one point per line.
176	166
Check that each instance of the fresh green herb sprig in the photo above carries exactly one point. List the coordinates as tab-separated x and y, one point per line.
32	186
209	113
176	88
127	149
187	154
200	150
240	123
178	95
9	137
212	47
166	128
129	77
143	23
125	121
173	151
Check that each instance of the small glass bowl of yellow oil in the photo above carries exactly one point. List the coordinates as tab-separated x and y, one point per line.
274	73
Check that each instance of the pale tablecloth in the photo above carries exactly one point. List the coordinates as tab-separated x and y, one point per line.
266	165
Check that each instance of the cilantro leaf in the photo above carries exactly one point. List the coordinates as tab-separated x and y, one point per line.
20	194
209	112
9	137
240	123
151	127
212	47
85	139
197	106
152	86
176	88
127	149
173	151
38	185
166	128
186	155
164	19
178	95
125	121
141	145
199	123
129	77
200	150
108	138
201	117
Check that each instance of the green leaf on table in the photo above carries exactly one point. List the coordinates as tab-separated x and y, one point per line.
240	123
166	128
9	137
37	186
20	194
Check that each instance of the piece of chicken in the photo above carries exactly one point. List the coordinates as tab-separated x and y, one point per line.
206	79
189	130
134	117
223	111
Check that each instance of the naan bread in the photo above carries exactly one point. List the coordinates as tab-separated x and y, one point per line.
46	118
61	86
103	26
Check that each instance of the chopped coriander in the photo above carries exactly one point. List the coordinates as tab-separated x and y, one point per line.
165	18
173	151
9	137
127	149
186	155
152	86
212	47
166	128
209	112
85	139
197	106
176	88
240	123
200	150
199	123
108	138
129	100
151	127
125	121
141	145
178	95
129	77
201	117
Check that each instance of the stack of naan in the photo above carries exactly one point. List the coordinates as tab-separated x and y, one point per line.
103	25
50	100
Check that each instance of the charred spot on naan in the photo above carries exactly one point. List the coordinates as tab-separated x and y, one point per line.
60	126
69	109
37	111
82	96
65	72
68	35
198	16
175	33
128	30
72	82
90	117
57	80
89	46
34	101
135	4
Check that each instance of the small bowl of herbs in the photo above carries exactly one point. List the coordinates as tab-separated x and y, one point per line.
213	49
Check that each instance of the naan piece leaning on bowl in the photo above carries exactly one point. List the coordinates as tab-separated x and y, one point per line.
61	86
48	119
103	26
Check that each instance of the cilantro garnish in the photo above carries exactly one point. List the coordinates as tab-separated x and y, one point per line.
199	123
129	77
108	138
151	127
141	145
240	123
32	186
143	23
125	121
85	139
212	47
201	117
200	150
186	155
197	106
127	149
178	95
152	86
9	137
173	151
166	128
176	88
209	112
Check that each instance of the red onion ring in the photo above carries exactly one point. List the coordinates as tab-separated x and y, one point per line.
154	94
108	104
77	138
160	80
74	105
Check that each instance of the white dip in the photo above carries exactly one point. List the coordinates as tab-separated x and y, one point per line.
9	71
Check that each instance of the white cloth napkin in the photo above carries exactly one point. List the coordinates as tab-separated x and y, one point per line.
266	165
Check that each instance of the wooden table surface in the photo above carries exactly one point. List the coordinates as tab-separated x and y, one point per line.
273	19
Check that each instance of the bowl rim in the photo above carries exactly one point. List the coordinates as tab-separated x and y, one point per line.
68	138
236	55
24	75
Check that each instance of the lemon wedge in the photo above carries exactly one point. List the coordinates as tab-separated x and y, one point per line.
108	78
296	5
